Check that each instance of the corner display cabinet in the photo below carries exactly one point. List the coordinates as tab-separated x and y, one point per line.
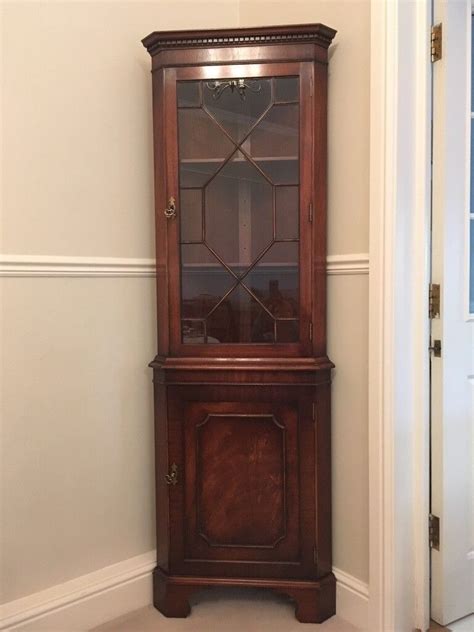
242	379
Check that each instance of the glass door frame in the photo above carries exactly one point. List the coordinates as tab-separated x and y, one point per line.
304	71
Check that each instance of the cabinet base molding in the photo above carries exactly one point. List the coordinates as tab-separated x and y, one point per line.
315	600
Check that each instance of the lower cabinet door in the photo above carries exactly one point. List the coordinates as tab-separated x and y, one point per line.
244	498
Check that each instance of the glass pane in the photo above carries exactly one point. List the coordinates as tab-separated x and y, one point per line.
274	144
203	281
287	212
235	107
238	142
287	330
190	212
188	94
194	331
274	280
203	147
239	213
286	89
249	321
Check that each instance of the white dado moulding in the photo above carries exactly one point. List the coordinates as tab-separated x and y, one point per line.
50	266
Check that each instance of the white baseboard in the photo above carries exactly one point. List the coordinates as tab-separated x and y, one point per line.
352	599
52	266
85	602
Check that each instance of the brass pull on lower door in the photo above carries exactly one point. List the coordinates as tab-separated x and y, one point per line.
172	477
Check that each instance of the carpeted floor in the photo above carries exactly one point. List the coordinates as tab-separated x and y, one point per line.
226	611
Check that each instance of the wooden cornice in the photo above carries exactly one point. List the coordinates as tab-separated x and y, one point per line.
295	33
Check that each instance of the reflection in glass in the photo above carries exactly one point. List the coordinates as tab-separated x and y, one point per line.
286	89
239	213
249	321
237	115
287	330
203	281
188	94
287	212
191	215
274	280
274	144
203	147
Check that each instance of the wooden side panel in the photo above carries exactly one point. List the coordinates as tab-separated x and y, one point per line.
162	273
161	469
322	415
319	208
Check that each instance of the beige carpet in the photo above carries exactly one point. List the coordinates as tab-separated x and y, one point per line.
228	610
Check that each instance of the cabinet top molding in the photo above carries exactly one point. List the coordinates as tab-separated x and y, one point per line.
295	33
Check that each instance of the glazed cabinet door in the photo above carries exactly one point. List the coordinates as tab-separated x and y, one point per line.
239	143
244	501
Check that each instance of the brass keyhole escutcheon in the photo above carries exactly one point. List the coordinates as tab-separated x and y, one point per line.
170	211
172	477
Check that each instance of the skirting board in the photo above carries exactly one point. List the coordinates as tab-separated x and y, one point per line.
85	602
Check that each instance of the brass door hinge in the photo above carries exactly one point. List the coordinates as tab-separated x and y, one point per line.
436	42
433	530
434	308
436	348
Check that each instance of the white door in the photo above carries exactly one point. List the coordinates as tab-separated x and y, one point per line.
452	374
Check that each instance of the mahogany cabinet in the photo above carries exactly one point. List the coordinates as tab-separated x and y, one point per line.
242	379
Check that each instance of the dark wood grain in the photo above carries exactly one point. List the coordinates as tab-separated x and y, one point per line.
247	427
315	601
318	33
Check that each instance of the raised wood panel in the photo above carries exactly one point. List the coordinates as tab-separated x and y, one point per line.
241	477
240	482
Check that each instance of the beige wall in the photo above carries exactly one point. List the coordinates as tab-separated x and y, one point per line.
77	463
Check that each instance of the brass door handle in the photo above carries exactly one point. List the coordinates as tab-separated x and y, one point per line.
170	211
172	477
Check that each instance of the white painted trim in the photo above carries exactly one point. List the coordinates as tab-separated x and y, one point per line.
103	595
399	273
383	106
352	599
84	602
469	211
421	240
51	266
348	264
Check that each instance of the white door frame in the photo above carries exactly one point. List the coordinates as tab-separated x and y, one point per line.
400	175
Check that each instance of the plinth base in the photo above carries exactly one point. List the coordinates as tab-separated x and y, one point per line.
315	599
